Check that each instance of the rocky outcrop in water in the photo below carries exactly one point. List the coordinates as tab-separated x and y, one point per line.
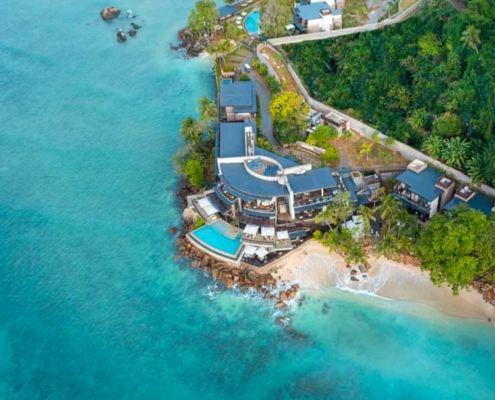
228	275
109	13
484	285
121	36
192	46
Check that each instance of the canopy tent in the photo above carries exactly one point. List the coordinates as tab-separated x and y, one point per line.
251	229
283	235
204	202
267	231
261	252
244	13
238	22
249	250
239	18
210	210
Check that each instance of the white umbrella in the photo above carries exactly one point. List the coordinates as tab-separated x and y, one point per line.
283	235
251	229
239	18
261	252
249	250
238	22
267	231
239	27
210	210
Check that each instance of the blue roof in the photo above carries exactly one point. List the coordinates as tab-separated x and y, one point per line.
423	184
478	202
312	10
351	187
232	139
241	95
284	162
312	180
227	10
236	176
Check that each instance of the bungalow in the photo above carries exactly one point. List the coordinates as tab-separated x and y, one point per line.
477	201
227	12
423	189
317	16
238	101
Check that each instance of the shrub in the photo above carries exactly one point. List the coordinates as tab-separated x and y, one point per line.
273	84
331	154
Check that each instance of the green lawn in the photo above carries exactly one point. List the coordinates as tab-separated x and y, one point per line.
405	4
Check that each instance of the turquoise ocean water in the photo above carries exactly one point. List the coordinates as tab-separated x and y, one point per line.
92	305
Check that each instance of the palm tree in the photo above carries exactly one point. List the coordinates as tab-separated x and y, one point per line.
476	168
418	118
367	215
365	150
388	247
341	206
471	38
455	152
191	131
388	210
327	216
207	108
433	146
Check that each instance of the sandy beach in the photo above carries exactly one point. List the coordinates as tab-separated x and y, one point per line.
314	268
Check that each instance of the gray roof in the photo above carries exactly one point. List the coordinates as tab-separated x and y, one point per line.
423	184
312	180
351	187
227	10
232	139
312	10
241	95
236	176
478	202
284	162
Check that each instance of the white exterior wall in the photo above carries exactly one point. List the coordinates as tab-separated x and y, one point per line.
434	207
314	25
327	23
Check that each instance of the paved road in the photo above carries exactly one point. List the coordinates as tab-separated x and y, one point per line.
265	97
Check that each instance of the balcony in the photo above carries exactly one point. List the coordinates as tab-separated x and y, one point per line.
225	196
258	212
311	203
407	197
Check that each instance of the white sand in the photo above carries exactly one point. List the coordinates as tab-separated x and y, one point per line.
313	267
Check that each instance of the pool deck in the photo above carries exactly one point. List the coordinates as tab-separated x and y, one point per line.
214	252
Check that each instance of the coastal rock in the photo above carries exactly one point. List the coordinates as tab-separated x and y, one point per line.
135	26
121	36
353	272
132	32
354	279
280	304
109	13
291	294
282	296
173	230
193	47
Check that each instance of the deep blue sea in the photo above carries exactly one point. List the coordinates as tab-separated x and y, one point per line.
92	305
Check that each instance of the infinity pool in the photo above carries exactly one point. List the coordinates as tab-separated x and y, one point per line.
253	23
213	237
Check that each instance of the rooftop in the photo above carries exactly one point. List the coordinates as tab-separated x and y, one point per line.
314	10
284	162
241	95
421	183
227	10
232	139
478	202
444	182
314	179
236	176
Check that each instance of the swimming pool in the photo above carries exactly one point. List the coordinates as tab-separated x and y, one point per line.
213	237
226	81
253	23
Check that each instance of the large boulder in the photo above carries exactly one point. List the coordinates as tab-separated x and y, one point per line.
173	230
121	36
282	296
109	13
281	304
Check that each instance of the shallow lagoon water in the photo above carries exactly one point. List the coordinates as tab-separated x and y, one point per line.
93	304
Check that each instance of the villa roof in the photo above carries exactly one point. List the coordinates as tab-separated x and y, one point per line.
478	202
312	11
226	11
284	162
423	184
351	187
312	180
241	95
232	139
236	176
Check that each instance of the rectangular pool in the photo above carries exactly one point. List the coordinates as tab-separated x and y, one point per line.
213	237
226	81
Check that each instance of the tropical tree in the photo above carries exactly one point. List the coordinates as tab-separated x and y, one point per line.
456	247
203	18
327	216
455	152
207	108
342	206
191	131
447	125
289	112
388	209
367	214
194	170
471	38
275	15
365	150
262	143
434	145
418	118
389	247
476	168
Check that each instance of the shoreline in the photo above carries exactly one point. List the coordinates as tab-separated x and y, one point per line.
313	268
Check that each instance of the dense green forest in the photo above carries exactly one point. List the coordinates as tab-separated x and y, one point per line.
428	82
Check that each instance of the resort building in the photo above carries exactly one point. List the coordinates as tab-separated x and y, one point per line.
468	196
423	190
317	16
226	12
238	101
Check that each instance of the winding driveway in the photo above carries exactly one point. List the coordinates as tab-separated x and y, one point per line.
265	97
